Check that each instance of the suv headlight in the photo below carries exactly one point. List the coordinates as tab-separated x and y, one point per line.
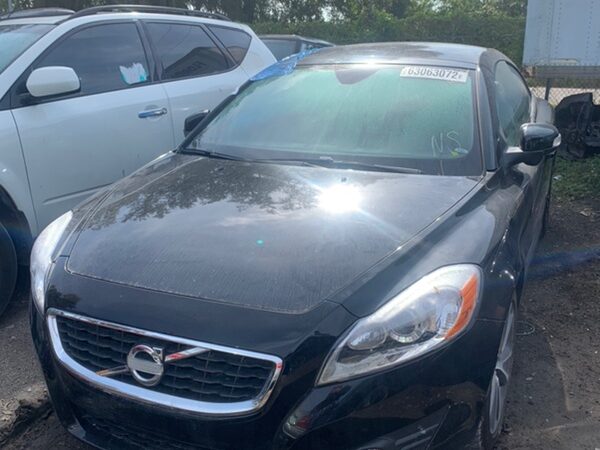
425	316
41	257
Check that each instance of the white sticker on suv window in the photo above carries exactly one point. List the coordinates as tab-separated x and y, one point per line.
435	73
134	74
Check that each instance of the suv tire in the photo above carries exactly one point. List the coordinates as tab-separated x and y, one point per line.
8	268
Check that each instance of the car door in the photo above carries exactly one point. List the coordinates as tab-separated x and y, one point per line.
514	107
76	144
196	70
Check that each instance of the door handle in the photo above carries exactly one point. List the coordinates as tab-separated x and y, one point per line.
152	113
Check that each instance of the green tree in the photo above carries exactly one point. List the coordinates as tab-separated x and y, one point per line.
360	9
295	10
240	10
514	8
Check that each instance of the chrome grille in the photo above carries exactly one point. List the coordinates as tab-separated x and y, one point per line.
213	377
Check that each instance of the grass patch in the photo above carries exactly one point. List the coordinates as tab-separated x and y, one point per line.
575	180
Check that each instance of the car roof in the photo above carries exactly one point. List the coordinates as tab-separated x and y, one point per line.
58	15
116	16
399	52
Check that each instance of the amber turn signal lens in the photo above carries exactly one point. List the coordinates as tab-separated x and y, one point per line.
469	298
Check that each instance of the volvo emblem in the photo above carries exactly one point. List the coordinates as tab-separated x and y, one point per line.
146	364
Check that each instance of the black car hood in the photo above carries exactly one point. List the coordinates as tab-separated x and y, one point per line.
281	238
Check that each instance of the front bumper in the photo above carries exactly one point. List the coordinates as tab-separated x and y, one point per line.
433	402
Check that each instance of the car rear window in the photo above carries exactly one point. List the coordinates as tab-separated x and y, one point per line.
419	117
237	42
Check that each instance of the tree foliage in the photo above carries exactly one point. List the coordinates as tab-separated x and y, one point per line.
291	11
501	32
493	23
361	9
513	8
252	10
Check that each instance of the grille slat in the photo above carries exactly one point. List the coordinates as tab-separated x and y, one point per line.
230	382
92	349
212	376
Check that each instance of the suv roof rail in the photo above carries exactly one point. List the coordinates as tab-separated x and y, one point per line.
37	12
147	9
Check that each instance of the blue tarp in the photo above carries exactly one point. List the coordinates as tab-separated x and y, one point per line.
283	67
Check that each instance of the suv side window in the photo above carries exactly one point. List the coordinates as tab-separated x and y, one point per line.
513	101
105	57
235	41
186	51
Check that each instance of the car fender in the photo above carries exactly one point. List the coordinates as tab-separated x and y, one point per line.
479	230
482	232
16	207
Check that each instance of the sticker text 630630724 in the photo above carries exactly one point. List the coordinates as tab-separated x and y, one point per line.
435	73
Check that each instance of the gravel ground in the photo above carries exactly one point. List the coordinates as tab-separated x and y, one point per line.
555	398
20	368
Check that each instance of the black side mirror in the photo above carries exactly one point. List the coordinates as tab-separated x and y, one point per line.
193	121
537	140
539	137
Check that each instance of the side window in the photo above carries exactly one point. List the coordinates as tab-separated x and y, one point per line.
512	101
105	57
236	41
186	51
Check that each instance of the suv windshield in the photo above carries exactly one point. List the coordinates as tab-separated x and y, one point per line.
396	115
15	39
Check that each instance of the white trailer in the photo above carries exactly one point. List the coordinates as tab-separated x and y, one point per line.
562	39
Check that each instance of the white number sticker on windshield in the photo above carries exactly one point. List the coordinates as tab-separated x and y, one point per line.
435	73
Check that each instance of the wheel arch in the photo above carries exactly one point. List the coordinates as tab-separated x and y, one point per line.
17	226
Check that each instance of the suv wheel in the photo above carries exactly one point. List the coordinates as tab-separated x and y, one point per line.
8	268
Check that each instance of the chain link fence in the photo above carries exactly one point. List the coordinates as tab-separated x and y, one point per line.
561	88
579	118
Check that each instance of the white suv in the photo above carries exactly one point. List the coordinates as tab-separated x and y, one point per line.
88	97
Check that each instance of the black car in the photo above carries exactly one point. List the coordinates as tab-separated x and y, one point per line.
284	45
333	259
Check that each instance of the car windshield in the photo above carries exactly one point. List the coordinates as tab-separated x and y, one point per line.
414	117
15	39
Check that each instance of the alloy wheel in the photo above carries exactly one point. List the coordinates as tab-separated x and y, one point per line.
502	373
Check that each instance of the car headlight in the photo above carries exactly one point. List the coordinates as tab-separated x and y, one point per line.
41	257
423	317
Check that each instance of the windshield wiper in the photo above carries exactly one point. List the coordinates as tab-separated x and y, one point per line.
322	161
327	161
210	154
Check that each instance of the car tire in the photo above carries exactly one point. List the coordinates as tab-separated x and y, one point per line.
492	417
8	268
